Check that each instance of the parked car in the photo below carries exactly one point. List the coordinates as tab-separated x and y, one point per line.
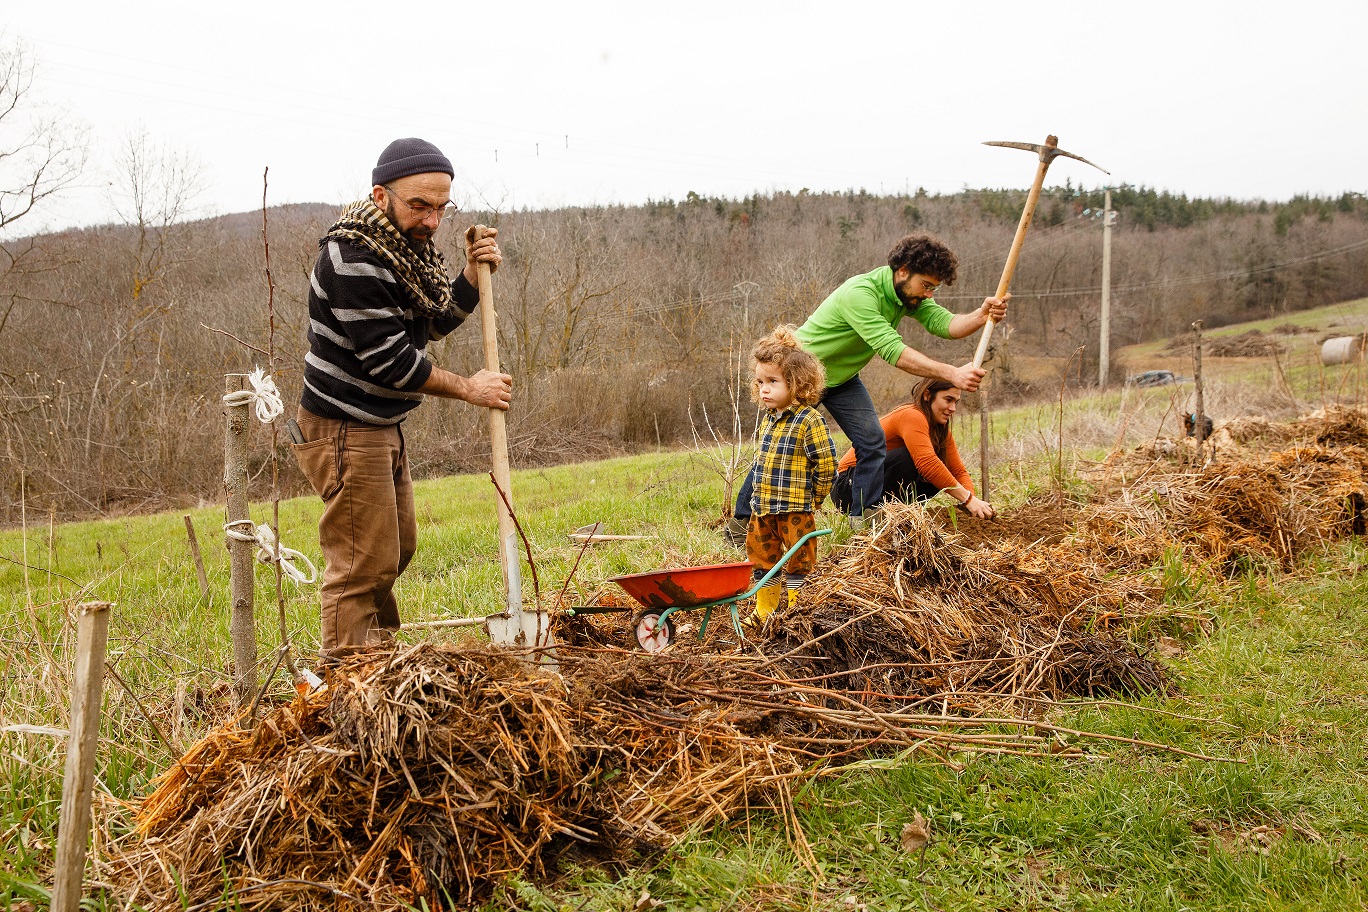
1152	378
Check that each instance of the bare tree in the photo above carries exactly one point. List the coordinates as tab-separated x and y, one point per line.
562	282
41	153
155	188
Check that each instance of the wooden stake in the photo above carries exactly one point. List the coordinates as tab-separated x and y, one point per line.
1199	418
52	546
199	558
73	829
23	534
983	439
1104	347
241	626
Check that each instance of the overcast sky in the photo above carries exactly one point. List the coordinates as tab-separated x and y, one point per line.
550	103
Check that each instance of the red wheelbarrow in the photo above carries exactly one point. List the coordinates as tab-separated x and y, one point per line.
663	592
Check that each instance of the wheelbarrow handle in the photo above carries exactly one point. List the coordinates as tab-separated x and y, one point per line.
773	571
731	601
779	564
577	610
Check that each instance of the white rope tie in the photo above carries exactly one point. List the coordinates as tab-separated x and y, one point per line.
263	393
246	531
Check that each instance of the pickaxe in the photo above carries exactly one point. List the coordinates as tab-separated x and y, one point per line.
1048	153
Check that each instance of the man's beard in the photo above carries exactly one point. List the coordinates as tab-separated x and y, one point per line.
417	235
912	301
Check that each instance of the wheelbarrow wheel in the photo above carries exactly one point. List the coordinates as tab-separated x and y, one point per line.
651	635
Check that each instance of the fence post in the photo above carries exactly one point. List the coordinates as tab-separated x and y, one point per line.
1199	427
87	687
983	439
241	626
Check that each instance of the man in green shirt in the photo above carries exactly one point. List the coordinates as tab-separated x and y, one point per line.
858	321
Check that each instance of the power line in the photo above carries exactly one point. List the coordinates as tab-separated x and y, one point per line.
731	295
1180	281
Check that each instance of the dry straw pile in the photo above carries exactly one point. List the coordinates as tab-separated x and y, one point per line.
913	613
1248	504
431	773
1250	344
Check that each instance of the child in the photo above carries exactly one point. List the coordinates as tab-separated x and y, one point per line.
793	467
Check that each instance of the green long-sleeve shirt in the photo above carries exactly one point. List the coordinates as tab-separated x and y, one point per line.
859	320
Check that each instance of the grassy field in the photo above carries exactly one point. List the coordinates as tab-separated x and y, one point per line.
1295	373
1271	671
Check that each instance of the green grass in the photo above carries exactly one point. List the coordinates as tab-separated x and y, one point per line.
1281	685
1347	316
1275	668
1301	372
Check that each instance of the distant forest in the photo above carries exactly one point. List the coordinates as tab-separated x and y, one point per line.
621	324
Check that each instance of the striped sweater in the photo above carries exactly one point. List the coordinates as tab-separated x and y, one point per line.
367	348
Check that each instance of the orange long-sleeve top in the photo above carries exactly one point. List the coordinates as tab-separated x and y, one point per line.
906	426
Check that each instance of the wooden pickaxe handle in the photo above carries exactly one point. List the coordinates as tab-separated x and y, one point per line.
1006	281
498	429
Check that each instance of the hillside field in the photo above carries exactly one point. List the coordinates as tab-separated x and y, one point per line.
1269	668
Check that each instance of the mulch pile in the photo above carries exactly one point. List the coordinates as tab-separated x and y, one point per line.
1271	493
916	612
432	773
1251	344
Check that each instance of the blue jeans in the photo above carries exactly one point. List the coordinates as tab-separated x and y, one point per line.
853	411
901	481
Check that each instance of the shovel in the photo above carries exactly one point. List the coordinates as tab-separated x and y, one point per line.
595	532
513	626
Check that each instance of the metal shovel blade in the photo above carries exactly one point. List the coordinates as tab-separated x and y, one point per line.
596	532
517	627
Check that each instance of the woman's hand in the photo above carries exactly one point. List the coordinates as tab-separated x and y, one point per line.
980	509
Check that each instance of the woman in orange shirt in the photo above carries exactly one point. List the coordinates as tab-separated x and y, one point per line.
922	458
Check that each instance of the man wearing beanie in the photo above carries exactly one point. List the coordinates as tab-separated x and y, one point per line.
380	291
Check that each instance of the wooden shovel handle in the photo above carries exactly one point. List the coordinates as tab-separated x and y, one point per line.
498	429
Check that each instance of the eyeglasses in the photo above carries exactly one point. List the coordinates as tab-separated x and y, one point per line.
422	209
929	288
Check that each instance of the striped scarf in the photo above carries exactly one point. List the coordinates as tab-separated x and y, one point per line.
421	272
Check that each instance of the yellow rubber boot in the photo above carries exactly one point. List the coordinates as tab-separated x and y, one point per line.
766	600
792	597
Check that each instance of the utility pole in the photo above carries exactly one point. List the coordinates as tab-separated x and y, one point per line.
1104	350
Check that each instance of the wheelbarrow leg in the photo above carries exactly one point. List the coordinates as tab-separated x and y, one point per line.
771	574
703	625
764	580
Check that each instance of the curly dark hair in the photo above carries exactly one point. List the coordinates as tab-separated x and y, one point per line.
804	374
922	253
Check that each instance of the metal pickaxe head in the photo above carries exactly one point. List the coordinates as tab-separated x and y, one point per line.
1048	152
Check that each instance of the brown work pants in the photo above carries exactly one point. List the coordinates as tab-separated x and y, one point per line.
368	530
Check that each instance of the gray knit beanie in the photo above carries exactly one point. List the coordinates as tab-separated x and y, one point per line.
410	156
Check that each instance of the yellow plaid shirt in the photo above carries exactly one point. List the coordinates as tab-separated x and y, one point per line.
795	463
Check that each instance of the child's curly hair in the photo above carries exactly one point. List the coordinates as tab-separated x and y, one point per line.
804	374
